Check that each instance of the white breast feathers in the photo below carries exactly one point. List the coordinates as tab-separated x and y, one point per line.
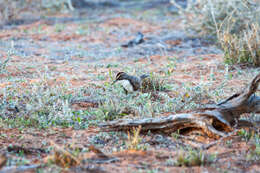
127	85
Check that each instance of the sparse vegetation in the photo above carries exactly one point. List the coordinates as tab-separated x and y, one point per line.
56	89
36	105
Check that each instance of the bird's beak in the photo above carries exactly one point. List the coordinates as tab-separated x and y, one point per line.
114	82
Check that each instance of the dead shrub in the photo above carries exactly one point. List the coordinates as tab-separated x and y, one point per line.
233	23
243	48
153	83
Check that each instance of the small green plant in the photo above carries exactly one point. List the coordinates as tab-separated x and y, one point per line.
229	143
245	134
171	66
170	162
176	135
3	65
59	27
254	153
54	6
83	30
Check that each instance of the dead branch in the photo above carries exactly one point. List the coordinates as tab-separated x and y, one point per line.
3	160
215	122
25	150
207	146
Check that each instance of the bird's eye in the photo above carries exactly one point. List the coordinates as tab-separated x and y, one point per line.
118	76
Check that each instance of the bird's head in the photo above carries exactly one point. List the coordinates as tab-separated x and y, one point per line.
120	76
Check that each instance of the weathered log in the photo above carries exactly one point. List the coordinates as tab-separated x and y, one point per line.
215	121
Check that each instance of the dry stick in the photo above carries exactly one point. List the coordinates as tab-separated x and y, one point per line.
195	142
62	150
215	121
102	158
207	146
98	152
29	150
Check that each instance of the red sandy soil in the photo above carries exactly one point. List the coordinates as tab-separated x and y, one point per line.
78	73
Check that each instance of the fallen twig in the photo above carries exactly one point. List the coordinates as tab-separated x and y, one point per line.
29	150
207	146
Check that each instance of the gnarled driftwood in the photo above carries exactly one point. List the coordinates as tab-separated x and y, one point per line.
215	121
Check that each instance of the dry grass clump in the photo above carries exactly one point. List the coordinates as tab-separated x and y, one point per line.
153	83
243	48
234	23
134	139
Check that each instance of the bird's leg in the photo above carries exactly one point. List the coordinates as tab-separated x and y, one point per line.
126	92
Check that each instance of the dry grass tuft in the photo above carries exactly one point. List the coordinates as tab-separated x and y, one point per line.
243	48
153	83
134	139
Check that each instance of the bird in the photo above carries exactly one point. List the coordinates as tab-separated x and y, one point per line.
137	40
130	83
